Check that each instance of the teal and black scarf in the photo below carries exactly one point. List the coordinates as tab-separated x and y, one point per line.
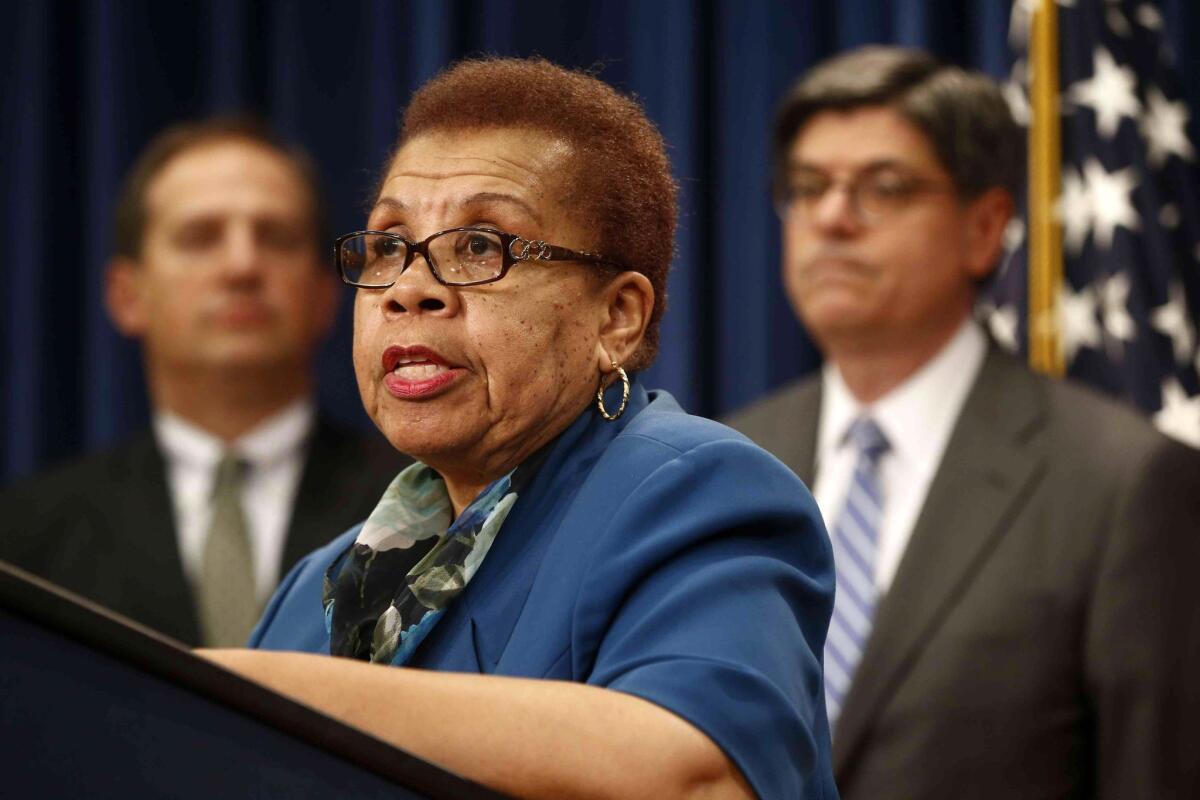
387	591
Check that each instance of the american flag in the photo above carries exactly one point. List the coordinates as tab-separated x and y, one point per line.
1129	305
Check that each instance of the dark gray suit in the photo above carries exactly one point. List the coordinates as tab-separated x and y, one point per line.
1041	638
103	526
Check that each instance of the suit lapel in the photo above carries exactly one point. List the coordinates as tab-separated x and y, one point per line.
785	423
153	586
985	470
807	416
344	476
315	517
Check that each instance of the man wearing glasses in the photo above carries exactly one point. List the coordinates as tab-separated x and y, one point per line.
188	527
1014	613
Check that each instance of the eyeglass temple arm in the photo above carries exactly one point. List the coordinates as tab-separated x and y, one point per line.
552	252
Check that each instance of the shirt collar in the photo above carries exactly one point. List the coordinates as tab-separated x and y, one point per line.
916	416
272	440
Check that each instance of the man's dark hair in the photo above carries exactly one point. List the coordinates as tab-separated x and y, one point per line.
964	114
130	216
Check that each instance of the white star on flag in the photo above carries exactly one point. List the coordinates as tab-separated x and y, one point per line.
1014	237
1014	233
1114	299
1148	17
1002	322
1165	127
1129	161
1077	323
1074	211
1109	201
1110	92
1020	17
1019	22
1117	22
1018	103
1180	415
1171	319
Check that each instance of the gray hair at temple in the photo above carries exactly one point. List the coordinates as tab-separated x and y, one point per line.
963	113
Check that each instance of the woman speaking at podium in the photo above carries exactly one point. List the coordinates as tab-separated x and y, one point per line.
578	589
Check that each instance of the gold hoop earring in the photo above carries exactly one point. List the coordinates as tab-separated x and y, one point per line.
624	395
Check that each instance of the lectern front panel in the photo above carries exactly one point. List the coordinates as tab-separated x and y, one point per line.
92	705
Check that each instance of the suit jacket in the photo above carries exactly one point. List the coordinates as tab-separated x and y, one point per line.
1041	638
661	555
104	526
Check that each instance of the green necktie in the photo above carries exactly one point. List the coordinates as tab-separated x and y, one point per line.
227	597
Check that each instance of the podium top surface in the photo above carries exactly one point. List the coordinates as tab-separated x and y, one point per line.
73	618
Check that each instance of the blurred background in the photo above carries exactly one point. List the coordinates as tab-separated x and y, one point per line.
86	84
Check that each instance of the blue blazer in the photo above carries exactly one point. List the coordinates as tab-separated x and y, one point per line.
662	555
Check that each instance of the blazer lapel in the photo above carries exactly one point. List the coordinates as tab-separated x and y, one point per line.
985	470
497	594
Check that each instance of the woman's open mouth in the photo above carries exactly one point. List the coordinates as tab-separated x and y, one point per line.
417	372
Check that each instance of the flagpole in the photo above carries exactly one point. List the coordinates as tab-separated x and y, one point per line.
1045	179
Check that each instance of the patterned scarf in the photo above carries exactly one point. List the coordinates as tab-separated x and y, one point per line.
392	585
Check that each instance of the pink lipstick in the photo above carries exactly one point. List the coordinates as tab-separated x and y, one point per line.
417	372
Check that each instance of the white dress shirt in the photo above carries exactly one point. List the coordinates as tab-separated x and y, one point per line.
274	452
917	418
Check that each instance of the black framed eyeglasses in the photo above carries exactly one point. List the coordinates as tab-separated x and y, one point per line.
456	257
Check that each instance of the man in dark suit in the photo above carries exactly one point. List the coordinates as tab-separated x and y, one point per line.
1015	612
188	527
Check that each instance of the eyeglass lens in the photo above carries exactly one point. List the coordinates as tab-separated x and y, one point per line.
458	257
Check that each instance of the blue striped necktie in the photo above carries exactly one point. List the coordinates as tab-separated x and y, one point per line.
855	544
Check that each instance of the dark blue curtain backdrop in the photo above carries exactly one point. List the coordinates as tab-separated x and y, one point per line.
87	83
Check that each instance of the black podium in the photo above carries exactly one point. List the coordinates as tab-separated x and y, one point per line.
93	705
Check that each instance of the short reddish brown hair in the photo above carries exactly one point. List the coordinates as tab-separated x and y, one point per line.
618	182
